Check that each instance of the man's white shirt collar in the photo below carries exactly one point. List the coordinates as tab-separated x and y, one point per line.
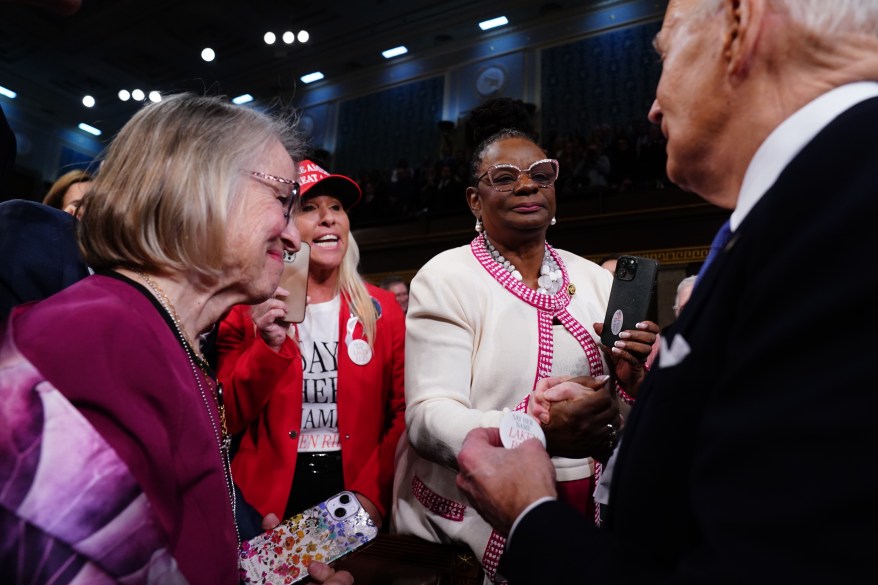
788	139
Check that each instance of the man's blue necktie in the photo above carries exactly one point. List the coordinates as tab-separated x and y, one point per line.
720	240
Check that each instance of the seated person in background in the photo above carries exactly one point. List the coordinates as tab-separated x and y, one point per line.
67	191
684	291
320	404
400	289
111	425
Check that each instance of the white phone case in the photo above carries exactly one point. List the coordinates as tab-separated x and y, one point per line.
325	532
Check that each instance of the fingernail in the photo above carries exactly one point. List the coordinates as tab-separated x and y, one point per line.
624	335
640	326
615	350
602	379
620	344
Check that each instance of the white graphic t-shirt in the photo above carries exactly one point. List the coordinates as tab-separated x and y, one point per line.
318	340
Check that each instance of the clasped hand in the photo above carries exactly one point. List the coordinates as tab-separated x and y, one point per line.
580	416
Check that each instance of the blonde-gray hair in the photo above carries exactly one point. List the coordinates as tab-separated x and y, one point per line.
161	199
351	285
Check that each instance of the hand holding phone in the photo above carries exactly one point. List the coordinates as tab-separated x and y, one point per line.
631	296
295	280
325	532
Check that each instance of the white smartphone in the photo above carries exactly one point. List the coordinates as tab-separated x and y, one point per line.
325	532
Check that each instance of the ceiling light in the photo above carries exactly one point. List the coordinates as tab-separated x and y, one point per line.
493	23
208	54
124	95
90	129
242	99
289	38
303	36
394	52
88	101
7	92
269	38
155	97
138	95
312	77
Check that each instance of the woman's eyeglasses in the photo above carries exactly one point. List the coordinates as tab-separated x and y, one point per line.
504	177
290	200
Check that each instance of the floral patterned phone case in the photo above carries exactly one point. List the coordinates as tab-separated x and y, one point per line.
325	532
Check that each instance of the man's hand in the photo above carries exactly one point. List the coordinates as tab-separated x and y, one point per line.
500	483
580	414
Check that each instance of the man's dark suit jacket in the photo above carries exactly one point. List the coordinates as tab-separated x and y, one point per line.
38	253
755	459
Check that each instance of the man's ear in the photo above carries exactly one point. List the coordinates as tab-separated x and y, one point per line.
743	25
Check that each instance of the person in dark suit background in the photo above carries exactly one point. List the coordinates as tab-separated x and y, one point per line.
749	455
38	253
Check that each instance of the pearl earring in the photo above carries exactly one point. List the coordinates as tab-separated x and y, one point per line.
554	221
479	226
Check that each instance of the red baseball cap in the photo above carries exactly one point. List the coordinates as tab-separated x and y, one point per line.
342	188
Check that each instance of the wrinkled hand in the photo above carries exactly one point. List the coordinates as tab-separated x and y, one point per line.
579	414
323	573
268	318
492	479
630	353
370	509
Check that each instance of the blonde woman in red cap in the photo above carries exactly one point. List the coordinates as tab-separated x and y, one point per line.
320	405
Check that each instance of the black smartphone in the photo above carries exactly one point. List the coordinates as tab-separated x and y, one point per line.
295	280
631	297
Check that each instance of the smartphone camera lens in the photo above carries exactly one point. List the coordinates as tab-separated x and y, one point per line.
339	512
345	499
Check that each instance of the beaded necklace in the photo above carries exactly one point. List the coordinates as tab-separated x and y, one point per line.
221	433
550	278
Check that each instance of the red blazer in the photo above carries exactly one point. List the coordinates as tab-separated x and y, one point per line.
263	395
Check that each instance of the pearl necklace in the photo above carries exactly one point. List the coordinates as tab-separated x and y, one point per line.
221	432
550	278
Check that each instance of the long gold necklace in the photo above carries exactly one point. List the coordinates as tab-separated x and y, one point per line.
221	432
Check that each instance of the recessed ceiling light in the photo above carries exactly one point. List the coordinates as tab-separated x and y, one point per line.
124	95
90	129
155	97
269	38
138	95
312	77
208	54
289	38
7	92
493	23
394	52
303	36
88	101
242	99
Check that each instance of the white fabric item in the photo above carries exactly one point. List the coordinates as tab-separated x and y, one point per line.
318	340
